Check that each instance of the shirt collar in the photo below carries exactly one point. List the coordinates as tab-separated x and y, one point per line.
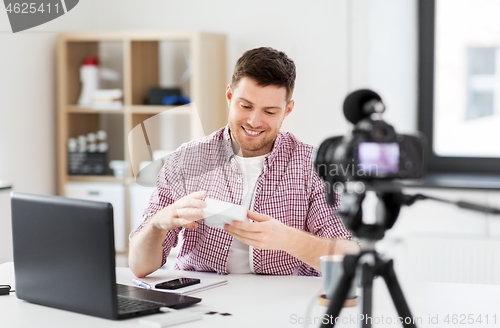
269	159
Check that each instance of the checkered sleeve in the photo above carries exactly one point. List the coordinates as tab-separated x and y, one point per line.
169	188
322	218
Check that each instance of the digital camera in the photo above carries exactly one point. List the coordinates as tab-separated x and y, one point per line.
373	151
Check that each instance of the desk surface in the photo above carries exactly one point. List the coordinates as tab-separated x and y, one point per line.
276	301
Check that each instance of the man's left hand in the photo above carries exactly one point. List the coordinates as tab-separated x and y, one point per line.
265	233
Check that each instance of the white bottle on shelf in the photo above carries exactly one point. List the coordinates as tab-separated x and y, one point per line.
89	76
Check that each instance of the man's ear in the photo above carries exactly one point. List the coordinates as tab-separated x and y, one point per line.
229	94
289	107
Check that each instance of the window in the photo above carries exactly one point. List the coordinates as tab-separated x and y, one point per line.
459	84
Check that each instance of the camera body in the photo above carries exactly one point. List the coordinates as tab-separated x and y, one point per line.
373	152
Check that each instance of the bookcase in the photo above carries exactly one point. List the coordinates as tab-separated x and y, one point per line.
144	59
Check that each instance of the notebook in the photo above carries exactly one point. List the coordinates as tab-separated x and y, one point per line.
64	257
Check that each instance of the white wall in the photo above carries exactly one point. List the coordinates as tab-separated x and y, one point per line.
27	110
384	56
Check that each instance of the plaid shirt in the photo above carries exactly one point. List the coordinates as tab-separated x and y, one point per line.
288	189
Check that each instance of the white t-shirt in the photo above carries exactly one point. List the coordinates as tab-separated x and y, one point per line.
240	258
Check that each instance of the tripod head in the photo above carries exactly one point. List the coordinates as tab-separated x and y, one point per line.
390	199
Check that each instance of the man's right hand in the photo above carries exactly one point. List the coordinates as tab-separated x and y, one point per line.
183	213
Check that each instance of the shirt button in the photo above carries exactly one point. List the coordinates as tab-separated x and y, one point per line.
239	180
226	248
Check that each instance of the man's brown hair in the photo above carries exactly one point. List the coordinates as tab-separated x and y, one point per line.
267	66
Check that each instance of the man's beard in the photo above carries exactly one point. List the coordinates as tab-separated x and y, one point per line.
237	134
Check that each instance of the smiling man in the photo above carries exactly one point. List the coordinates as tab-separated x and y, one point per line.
249	162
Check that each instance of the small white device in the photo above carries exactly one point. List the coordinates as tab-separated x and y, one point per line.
218	213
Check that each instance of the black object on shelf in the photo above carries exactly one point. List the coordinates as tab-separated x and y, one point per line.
87	163
156	95
176	100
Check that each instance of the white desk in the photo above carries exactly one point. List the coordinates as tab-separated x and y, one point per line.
272	301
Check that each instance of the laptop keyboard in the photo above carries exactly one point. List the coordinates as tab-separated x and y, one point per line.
131	305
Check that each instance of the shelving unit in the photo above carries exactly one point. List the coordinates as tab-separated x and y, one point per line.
139	56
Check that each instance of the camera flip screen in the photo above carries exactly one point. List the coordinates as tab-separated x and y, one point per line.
376	158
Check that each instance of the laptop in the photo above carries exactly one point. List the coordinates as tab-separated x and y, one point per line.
64	257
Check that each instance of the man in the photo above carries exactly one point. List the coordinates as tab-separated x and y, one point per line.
248	162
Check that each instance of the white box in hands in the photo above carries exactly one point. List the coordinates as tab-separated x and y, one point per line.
218	213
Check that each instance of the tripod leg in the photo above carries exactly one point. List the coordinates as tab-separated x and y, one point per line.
397	295
340	294
367	276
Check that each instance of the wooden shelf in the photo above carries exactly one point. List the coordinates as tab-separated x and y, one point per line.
95	178
100	178
152	35
87	110
134	109
145	59
158	109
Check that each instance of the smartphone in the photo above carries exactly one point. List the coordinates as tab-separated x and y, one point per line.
178	283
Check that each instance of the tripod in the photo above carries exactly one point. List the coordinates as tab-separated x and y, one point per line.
388	211
378	267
